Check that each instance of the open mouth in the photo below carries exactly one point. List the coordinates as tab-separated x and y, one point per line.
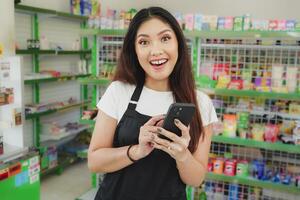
158	63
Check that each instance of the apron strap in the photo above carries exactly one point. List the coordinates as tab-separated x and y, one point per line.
135	97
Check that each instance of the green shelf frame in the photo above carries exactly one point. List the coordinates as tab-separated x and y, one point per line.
52	79
64	108
230	34
276	146
103	32
52	52
54	13
253	182
88	122
94	81
252	93
207	34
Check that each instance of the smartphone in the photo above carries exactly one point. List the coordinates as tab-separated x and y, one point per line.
181	111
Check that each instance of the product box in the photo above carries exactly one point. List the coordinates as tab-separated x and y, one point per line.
260	25
238	24
290	25
210	22
273	25
189	22
228	23
221	23
246	22
198	18
281	25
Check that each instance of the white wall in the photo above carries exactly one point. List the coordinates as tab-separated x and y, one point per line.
7	22
265	9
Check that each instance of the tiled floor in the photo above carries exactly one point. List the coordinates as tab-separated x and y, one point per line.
72	183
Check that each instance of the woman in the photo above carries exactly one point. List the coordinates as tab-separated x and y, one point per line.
154	70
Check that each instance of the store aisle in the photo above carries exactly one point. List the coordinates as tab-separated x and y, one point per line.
72	183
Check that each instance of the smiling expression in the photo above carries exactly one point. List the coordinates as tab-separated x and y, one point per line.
157	49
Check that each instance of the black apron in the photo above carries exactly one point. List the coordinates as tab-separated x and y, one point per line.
154	177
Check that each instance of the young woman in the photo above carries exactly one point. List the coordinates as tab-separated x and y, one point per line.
154	70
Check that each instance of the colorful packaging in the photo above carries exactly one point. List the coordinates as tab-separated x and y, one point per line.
290	25
291	78
221	23
189	22
228	23
230	167
198	22
242	168
238	24
273	25
281	25
218	165
233	192
230	124
258	132
271	132
210	22
247	23
257	169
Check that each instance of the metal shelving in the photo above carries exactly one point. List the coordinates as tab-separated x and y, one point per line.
51	13
253	182
277	146
51	79
52	52
51	111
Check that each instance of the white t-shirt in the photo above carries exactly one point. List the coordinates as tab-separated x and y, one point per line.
115	100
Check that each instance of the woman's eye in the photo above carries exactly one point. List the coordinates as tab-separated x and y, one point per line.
143	42
165	38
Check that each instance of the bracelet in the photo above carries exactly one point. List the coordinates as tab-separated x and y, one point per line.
129	155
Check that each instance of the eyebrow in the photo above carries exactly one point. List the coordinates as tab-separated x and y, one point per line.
161	32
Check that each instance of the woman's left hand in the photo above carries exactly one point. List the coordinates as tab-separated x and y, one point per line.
178	147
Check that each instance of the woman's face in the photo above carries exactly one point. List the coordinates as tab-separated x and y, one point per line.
156	47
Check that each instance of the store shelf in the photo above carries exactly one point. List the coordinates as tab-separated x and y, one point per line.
277	146
64	108
58	140
61	78
252	93
52	52
90	195
253	182
52	13
88	122
261	113
12	152
207	34
94	81
243	34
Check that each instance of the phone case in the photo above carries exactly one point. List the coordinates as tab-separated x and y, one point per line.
182	111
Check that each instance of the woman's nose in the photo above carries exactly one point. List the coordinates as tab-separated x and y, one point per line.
156	53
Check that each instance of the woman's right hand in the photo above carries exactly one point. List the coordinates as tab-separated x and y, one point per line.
146	137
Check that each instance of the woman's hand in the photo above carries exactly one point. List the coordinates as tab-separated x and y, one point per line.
178	147
146	137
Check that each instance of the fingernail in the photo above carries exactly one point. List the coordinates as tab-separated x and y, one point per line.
159	130
176	121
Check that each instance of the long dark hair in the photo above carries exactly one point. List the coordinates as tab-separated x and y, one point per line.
181	79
